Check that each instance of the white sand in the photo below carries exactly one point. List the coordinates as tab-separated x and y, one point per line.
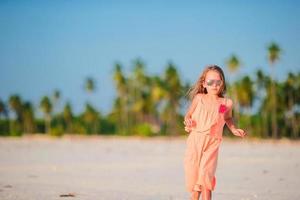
118	168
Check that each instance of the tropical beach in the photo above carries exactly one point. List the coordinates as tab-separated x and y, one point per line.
119	168
97	99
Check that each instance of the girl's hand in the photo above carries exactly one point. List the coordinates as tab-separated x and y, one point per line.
239	132
187	129
189	124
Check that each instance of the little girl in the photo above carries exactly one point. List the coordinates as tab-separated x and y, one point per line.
204	121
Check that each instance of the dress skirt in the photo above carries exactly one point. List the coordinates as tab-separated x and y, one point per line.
200	161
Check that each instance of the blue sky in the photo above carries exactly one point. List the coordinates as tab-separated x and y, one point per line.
47	45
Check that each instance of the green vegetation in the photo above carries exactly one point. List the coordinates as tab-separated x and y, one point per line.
149	105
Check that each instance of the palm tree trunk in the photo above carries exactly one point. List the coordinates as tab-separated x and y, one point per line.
265	130
47	123
293	118
274	104
8	123
274	112
11	121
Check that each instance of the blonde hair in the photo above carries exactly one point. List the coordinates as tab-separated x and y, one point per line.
198	86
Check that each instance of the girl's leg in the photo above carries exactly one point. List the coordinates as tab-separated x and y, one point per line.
195	195
206	194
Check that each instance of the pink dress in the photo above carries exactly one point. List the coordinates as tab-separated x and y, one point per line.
202	145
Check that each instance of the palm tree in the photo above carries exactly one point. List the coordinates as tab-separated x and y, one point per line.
90	85
15	103
290	92
245	94
262	84
158	93
233	65
120	108
68	117
46	107
140	92
4	112
157	90
56	98
173	95
2	108
90	112
28	116
117	114
274	52
91	118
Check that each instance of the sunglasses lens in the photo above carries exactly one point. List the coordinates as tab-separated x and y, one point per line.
212	82
218	82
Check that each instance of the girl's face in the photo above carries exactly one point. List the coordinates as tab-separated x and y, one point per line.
212	82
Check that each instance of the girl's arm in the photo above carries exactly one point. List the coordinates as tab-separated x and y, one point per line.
188	122
229	121
192	107
228	115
